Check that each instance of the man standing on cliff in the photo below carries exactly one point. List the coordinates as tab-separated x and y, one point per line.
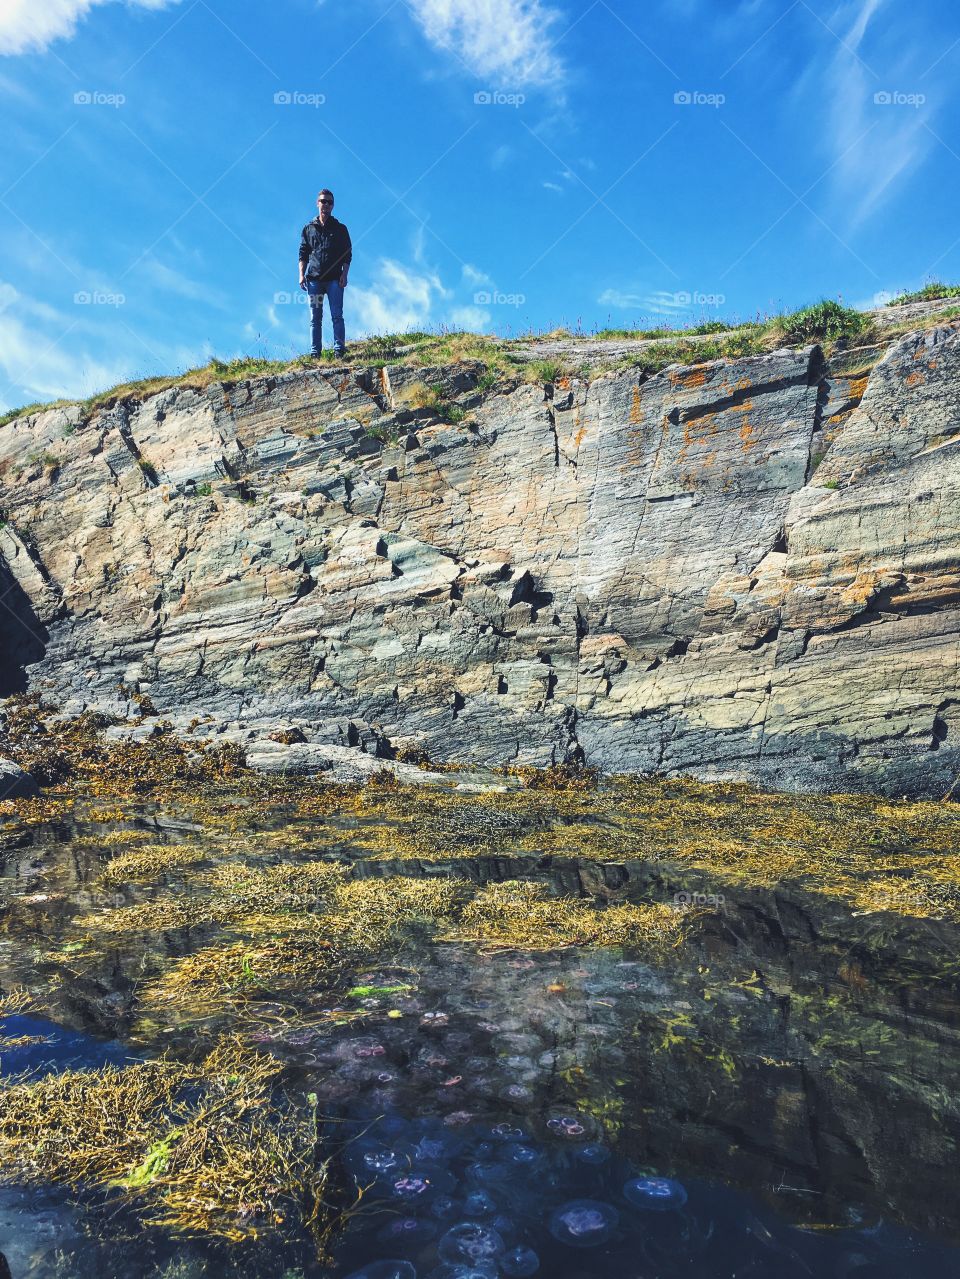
325	257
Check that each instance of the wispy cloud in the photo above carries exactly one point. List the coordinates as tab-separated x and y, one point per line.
506	40
170	280
658	303
37	360
877	135
402	299
34	24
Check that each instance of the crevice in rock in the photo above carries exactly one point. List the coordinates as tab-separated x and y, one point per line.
883	605
525	592
552	420
23	637
817	449
940	728
149	472
737	397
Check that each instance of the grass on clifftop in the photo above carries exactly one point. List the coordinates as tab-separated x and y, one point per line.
936	291
826	321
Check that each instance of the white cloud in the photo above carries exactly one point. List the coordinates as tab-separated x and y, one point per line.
874	145
619	299
34	24
474	277
170	280
41	363
658	303
401	300
475	319
507	40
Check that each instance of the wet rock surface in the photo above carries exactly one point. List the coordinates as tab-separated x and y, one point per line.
772	1092
15	782
734	569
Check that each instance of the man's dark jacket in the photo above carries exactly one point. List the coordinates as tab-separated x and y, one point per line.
325	250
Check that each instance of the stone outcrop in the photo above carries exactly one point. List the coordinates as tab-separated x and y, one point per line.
745	568
15	783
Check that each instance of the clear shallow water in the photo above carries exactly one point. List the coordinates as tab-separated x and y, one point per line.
809	1117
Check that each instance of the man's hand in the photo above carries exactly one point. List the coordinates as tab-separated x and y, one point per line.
303	282
343	279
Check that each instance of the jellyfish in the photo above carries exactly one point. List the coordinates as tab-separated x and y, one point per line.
520	1262
486	1174
431	1150
383	1162
584	1223
443	1207
457	1118
517	1092
419	1184
411	1186
407	1230
524	1156
470	1242
464	1270
369	1050
566	1126
434	1019
385	1270
658	1194
507	1132
593	1154
478	1204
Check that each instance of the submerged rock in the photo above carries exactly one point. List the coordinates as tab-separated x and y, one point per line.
15	783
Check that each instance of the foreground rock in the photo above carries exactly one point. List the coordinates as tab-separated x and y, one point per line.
742	569
14	782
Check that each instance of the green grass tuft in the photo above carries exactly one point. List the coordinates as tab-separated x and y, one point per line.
932	292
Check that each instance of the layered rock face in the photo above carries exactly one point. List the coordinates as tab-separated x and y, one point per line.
747	569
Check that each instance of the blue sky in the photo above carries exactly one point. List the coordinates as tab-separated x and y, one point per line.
501	165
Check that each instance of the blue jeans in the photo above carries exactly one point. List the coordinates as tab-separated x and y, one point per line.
334	291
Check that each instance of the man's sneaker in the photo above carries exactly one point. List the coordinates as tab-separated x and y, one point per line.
340	352
316	354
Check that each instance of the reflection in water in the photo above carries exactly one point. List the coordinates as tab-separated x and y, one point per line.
775	1098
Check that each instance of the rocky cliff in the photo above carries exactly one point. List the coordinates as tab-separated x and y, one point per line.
746	568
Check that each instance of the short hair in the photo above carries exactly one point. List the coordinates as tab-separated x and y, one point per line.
325	191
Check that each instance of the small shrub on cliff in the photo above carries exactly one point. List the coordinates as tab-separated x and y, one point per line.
545	372
825	321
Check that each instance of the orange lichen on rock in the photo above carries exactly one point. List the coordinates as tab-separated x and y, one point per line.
636	410
689	379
